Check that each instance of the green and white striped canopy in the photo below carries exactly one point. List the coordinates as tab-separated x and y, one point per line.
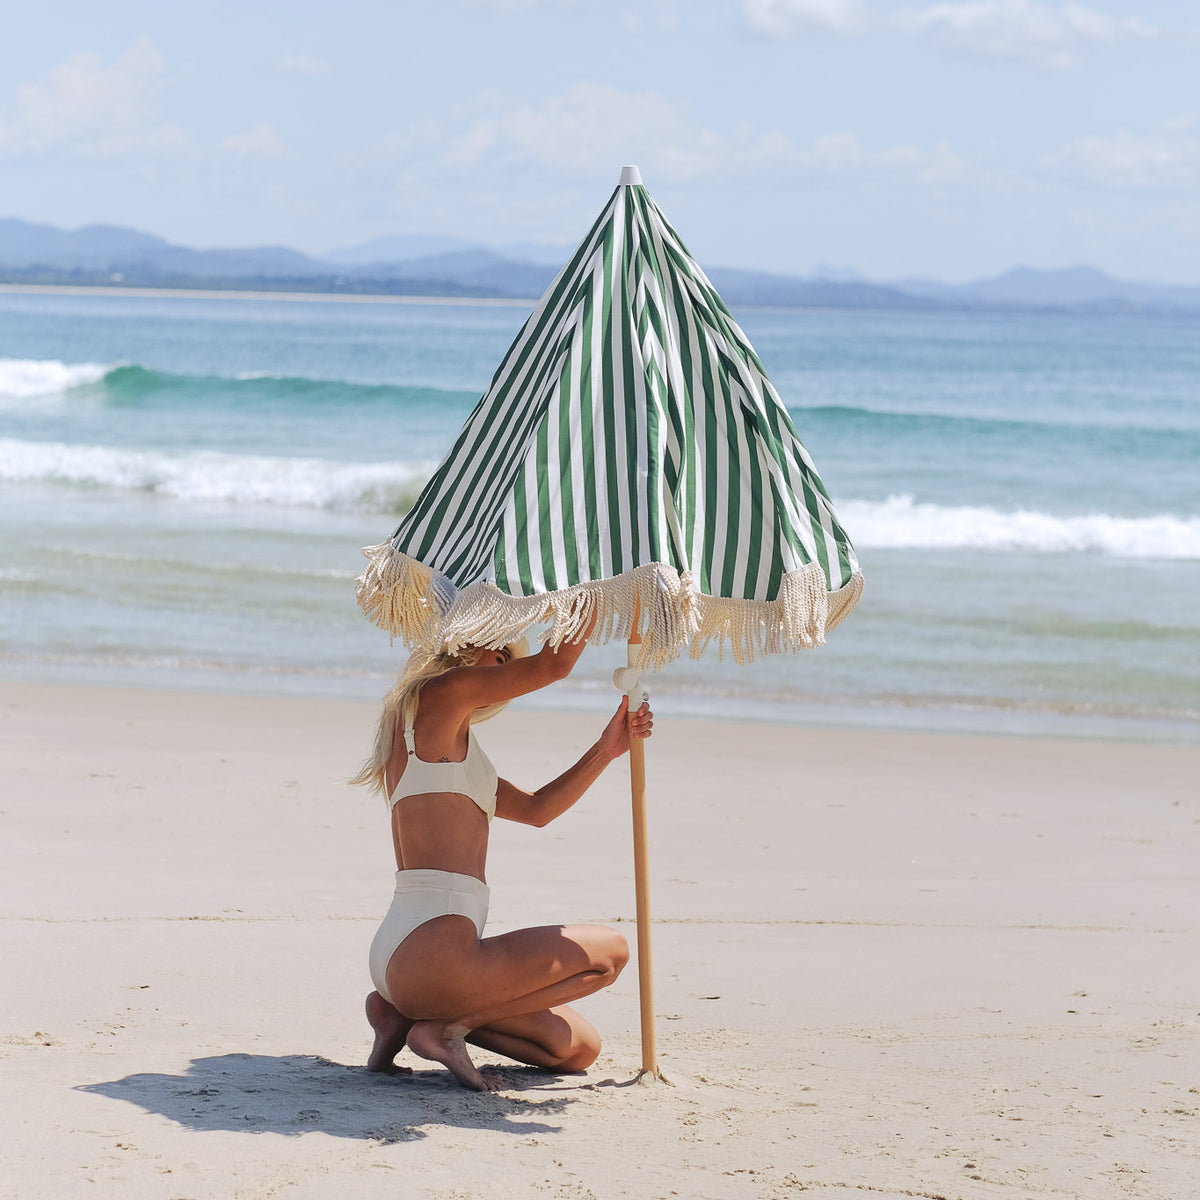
630	458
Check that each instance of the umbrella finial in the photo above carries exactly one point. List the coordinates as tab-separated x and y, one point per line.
630	177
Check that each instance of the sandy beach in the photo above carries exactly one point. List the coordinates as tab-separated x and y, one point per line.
886	964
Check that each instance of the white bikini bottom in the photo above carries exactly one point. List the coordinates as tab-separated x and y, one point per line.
421	895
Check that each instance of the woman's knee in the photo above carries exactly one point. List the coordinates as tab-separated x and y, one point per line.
583	1051
571	1039
613	952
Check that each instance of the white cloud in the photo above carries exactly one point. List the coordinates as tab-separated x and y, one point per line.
521	6
1164	159
1019	31
1022	32
591	124
303	66
632	15
93	110
259	141
786	18
593	128
575	134
937	168
664	15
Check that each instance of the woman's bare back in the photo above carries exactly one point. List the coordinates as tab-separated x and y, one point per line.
444	831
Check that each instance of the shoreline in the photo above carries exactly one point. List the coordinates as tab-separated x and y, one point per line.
63	289
948	311
935	716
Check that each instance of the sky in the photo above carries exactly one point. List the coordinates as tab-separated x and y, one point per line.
948	139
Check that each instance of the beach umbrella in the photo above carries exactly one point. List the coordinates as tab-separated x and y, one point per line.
631	461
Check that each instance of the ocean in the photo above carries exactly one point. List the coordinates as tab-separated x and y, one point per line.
185	483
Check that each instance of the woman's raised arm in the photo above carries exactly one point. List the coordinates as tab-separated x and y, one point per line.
497	681
541	807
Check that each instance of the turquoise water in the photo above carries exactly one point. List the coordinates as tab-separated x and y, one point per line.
185	483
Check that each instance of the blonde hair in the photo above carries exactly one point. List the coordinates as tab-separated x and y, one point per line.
400	704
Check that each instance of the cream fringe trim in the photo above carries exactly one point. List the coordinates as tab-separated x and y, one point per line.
412	602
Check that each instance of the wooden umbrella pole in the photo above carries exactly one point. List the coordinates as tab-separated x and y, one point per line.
641	877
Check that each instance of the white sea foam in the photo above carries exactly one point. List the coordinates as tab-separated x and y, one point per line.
24	378
896	523
900	523
207	476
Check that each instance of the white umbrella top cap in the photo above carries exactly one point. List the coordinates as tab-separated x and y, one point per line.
630	177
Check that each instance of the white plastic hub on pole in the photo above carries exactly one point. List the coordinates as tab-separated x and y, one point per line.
630	177
630	681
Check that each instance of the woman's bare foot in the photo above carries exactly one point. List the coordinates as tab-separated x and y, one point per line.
391	1029
442	1041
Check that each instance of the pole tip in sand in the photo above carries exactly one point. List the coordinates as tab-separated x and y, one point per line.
630	177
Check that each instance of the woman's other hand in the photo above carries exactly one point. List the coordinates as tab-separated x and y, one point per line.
614	741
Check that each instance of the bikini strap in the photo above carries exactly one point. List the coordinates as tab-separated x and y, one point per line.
410	741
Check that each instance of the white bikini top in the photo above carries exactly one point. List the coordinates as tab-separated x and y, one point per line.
473	777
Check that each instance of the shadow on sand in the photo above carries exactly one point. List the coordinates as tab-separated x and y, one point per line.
299	1093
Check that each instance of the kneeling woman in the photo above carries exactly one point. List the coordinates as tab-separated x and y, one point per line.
439	982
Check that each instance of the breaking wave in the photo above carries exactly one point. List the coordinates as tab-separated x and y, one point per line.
130	383
42	381
26	378
899	522
210	477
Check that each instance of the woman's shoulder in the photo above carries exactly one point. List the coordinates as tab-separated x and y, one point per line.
454	692
442	692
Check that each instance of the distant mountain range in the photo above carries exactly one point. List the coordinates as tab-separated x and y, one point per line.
107	255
